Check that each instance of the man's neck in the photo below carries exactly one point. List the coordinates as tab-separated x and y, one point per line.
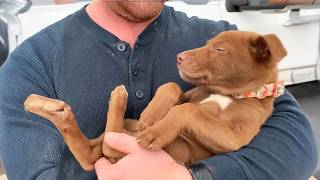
122	28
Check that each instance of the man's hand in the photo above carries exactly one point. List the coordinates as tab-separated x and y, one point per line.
139	163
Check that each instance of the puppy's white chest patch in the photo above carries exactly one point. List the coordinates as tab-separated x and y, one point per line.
223	101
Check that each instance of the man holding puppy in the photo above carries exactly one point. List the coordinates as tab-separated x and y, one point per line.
80	59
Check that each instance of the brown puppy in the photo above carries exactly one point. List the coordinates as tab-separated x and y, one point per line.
235	75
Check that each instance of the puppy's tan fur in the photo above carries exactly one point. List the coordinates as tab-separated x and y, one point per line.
194	125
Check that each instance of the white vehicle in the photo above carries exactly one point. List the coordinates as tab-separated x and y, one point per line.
296	22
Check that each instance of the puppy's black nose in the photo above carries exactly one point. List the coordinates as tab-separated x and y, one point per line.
181	57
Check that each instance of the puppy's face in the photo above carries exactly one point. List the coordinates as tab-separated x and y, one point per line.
232	62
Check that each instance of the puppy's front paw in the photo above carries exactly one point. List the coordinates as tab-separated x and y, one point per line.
150	116
154	138
145	121
149	139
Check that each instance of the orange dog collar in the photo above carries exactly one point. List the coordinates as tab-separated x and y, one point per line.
273	89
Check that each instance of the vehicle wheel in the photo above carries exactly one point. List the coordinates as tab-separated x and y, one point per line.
234	5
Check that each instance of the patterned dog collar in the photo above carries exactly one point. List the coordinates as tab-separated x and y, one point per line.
274	89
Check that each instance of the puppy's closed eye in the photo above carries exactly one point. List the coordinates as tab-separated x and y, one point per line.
221	49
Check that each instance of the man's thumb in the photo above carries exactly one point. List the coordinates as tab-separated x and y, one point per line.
102	167
121	142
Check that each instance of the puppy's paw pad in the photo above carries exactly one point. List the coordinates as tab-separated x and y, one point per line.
40	103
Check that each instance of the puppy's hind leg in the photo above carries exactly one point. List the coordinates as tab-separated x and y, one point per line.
115	119
87	152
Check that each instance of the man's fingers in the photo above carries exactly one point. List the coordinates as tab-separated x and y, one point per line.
102	166
121	142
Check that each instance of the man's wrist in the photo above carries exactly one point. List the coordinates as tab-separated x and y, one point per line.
199	171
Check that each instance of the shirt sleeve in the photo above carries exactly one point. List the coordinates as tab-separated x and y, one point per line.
30	147
283	149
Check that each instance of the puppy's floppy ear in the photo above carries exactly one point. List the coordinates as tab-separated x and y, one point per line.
267	47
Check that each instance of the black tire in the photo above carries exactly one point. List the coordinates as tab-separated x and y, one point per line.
4	48
234	5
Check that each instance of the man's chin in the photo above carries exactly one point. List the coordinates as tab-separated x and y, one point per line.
138	11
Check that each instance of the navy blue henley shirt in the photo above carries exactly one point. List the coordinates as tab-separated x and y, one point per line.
77	61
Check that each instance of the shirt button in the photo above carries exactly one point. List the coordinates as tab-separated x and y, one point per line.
135	72
121	47
139	94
